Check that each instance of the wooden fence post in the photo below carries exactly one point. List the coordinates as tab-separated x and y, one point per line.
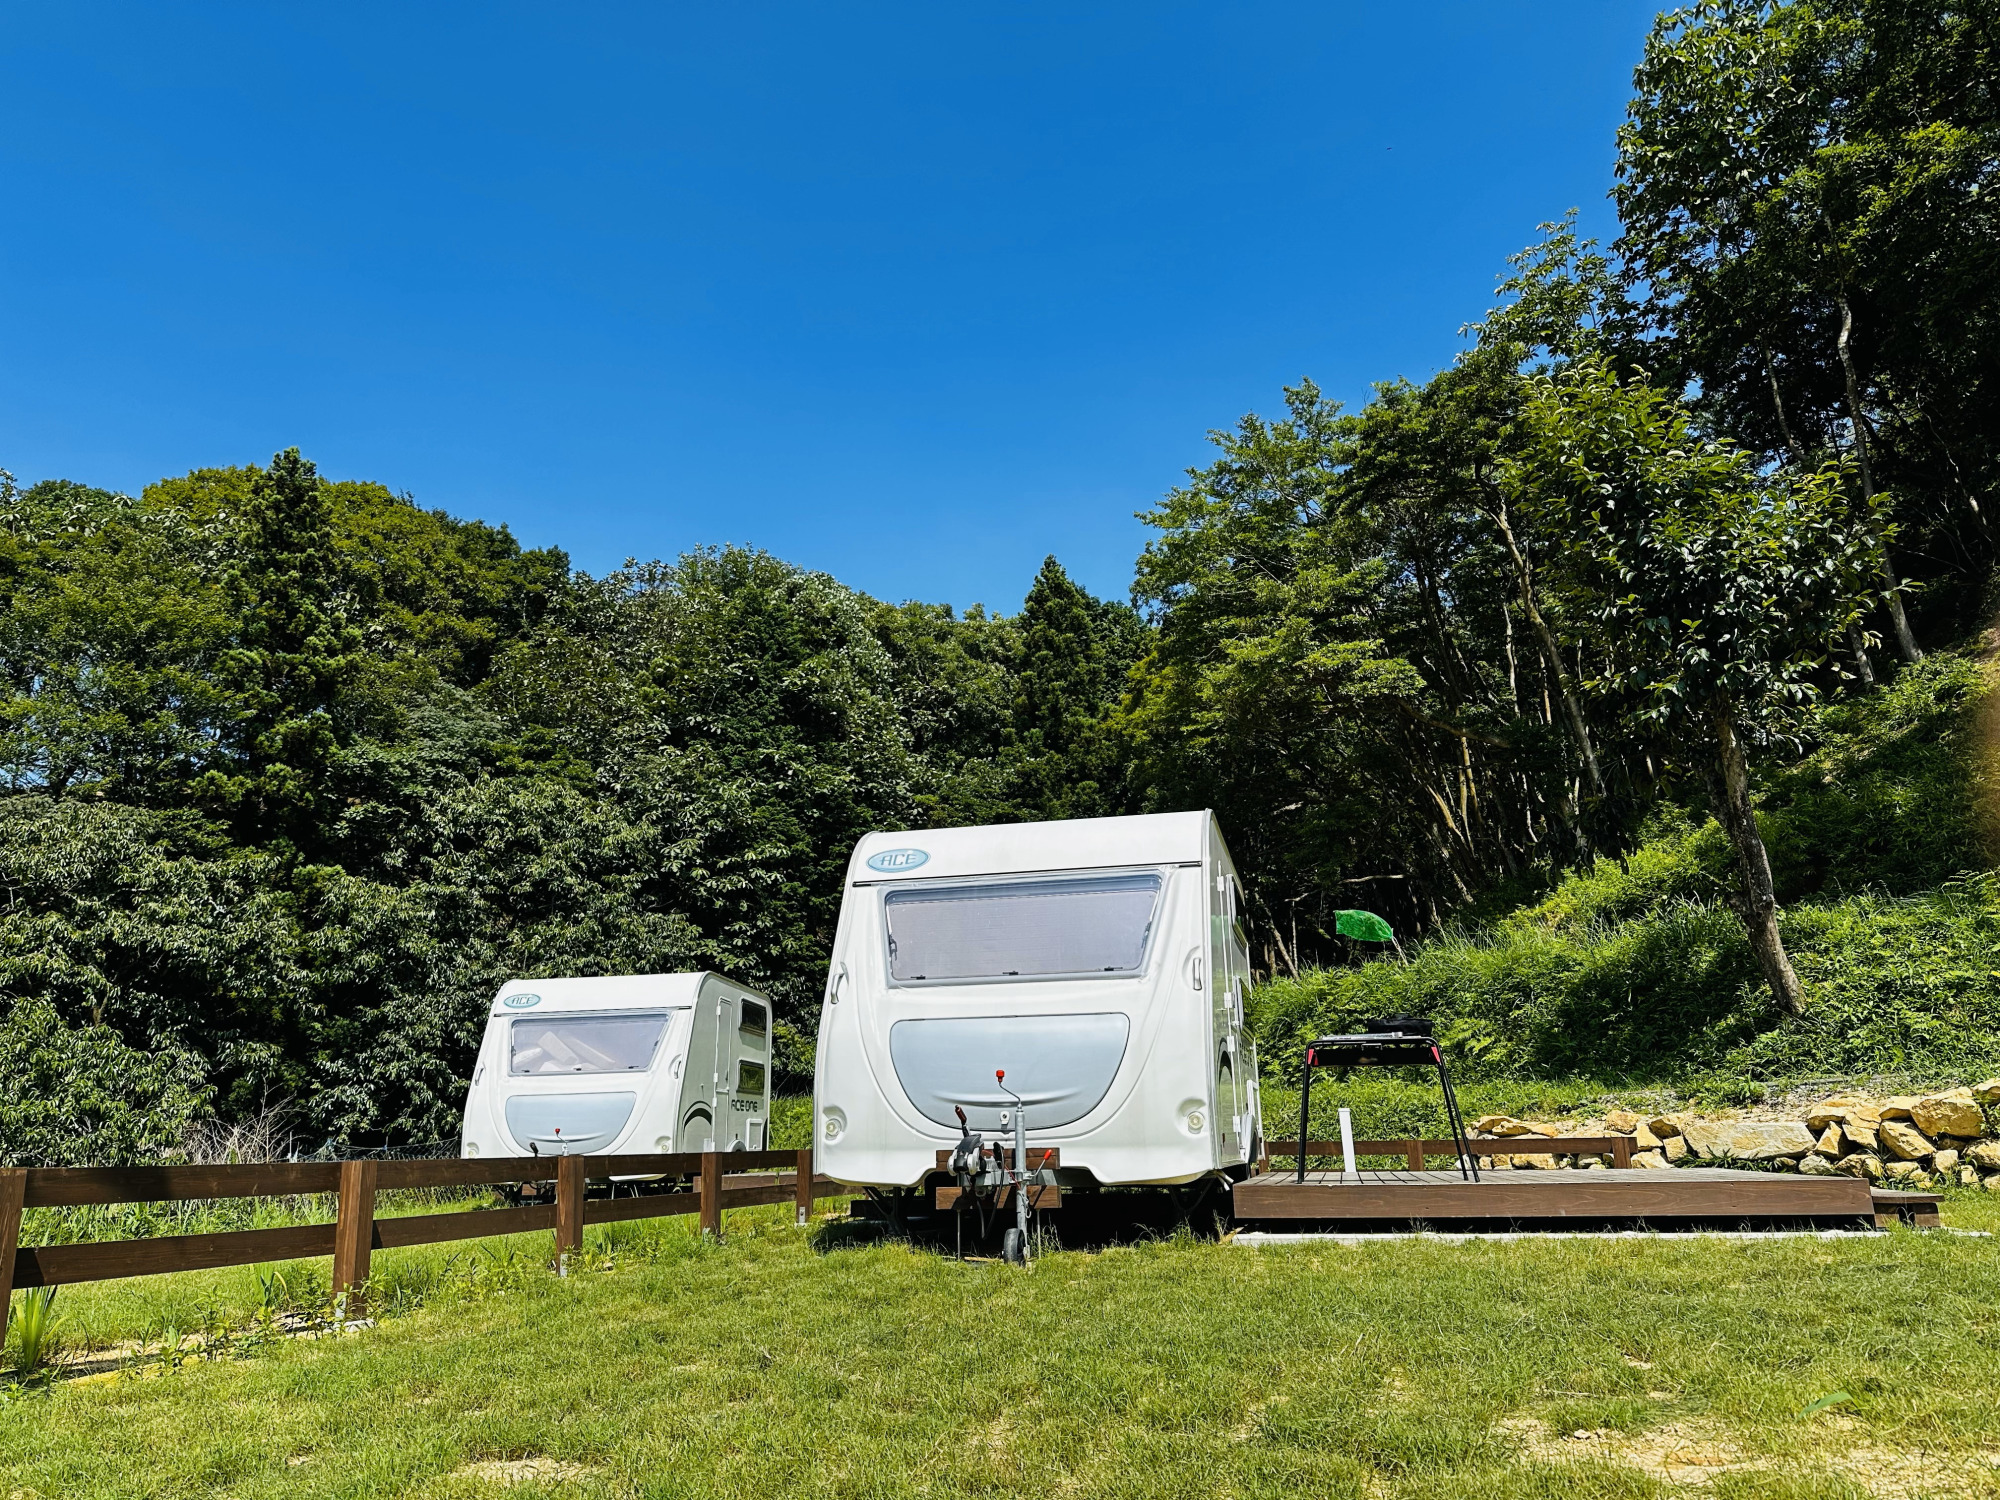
1413	1154
13	1192
354	1235
569	1209
1621	1150
803	1194
711	1194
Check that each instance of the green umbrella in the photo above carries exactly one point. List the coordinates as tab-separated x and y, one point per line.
1364	925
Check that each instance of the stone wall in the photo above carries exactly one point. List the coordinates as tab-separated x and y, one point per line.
1912	1140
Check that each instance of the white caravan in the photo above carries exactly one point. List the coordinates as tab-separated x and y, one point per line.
1099	962
629	1064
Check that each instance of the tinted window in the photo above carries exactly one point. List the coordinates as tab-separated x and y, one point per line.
750	1079
584	1044
1082	924
755	1020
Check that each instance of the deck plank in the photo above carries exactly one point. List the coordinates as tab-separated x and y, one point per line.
1699	1192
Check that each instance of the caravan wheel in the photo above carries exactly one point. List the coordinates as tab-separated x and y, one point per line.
1014	1248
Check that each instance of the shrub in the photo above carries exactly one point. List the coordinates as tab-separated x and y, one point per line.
1528	1001
79	1096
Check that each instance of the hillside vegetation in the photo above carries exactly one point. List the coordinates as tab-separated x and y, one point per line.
1633	969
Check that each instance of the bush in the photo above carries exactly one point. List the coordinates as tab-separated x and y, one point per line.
78	1096
1645	999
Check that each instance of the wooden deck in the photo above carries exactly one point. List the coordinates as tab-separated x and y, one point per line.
1676	1198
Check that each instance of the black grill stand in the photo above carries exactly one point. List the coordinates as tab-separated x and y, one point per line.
1400	1048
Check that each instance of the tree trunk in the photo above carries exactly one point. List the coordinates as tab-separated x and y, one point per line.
1906	643
1861	661
1513	670
1757	902
1792	443
1525	577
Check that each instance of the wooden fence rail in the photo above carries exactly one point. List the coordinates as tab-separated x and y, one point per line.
720	1180
1618	1147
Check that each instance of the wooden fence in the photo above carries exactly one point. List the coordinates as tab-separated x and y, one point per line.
1617	1147
720	1180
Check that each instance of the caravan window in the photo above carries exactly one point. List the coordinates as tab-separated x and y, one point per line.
585	1044
1020	929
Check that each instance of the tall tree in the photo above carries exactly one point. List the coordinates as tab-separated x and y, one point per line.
1272	693
1059	685
111	627
1808	197
1074	653
294	655
1722	586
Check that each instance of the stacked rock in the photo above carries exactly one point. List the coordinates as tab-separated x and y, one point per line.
1910	1139
1648	1148
1916	1140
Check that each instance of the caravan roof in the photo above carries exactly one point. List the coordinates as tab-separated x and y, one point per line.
1011	848
610	992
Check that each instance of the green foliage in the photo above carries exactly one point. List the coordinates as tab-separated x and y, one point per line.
954	682
1898	985
1722	588
32	1329
1633	969
447	593
111	633
1889	795
1074	654
1568	300
79	1096
1677	860
291	659
1649	999
303	773
1807	197
1272	694
1719	589
1905	986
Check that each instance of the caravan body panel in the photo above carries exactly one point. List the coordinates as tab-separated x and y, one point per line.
623	1064
1097	961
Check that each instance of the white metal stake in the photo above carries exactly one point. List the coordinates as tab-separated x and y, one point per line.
1348	1174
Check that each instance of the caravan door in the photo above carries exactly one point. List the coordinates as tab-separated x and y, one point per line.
697	1125
730	1058
751	1071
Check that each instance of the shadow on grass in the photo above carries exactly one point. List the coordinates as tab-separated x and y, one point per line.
1091	1220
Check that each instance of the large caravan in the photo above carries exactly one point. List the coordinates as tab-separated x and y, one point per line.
629	1064
1098	962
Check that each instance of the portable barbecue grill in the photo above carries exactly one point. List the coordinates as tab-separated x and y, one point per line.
1391	1042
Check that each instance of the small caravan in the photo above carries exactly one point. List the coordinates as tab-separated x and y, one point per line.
1099	962
628	1064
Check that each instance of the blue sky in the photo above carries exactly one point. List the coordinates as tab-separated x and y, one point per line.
912	293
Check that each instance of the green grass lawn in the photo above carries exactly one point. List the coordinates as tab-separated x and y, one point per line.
789	1362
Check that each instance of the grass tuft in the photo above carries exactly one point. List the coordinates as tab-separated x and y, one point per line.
33	1327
